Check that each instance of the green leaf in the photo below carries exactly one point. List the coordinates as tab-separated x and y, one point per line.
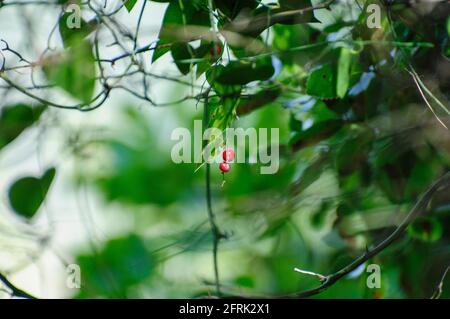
322	82
180	52
129	4
223	114
343	72
74	71
222	110
231	8
27	194
321	112
426	229
294	4
185	56
289	37
295	125
121	264
244	72
223	90
179	14
15	119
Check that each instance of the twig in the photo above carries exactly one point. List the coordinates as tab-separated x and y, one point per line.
102	97
438	292
413	75
330	280
418	82
321	277
7	48
149	47
138	26
17	292
418	208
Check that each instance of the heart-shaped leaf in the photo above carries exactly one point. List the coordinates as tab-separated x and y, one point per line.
15	119
27	194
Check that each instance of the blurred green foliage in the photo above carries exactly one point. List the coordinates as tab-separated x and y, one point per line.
114	270
357	148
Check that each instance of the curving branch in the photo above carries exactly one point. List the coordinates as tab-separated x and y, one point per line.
329	280
16	292
418	208
438	292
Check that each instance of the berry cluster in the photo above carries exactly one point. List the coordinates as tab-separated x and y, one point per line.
228	156
216	50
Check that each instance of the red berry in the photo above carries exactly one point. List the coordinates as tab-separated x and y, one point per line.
224	167
216	50
228	155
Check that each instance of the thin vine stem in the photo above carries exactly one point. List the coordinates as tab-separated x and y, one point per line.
211	217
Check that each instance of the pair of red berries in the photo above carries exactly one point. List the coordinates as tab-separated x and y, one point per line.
228	156
216	50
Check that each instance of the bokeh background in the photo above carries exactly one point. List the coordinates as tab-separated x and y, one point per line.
137	224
